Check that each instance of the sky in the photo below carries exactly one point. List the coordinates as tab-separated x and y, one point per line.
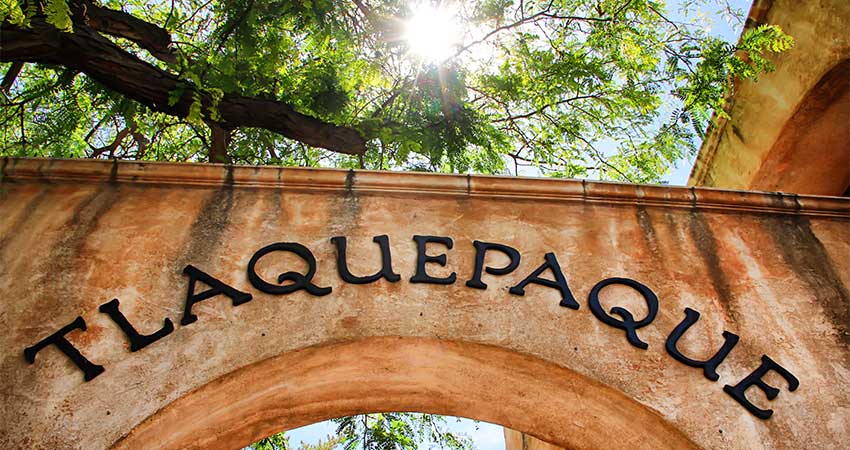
724	30
718	25
488	436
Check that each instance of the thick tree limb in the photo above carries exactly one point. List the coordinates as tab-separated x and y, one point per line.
153	38
87	51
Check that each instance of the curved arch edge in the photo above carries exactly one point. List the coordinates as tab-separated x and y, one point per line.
382	374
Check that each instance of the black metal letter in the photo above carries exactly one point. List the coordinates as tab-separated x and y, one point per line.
480	251
421	244
560	283
628	323
709	366
216	288
386	262
137	341
299	281
58	339
739	392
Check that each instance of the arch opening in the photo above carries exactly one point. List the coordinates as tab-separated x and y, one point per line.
385	374
393	430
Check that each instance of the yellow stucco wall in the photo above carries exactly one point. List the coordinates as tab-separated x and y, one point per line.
789	130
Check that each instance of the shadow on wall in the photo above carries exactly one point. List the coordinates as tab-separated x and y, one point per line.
812	153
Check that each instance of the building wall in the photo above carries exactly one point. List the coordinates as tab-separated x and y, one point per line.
772	269
790	130
515	440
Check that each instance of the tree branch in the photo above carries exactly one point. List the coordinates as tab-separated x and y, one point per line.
153	38
11	76
105	62
119	138
232	26
220	138
544	107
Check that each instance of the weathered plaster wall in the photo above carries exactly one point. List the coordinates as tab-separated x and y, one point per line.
790	130
74	234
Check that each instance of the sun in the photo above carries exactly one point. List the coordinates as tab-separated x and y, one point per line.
433	33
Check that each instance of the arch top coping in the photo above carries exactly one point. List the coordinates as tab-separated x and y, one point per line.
386	182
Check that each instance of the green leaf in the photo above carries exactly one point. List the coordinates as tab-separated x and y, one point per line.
58	14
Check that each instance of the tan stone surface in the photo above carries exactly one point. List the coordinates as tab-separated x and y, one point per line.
75	234
790	130
404	374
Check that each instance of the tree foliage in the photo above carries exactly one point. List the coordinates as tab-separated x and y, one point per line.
399	431
380	431
280	441
577	88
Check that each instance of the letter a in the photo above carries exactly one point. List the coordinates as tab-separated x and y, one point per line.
216	288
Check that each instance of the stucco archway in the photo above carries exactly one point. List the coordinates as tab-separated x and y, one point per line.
405	374
76	234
